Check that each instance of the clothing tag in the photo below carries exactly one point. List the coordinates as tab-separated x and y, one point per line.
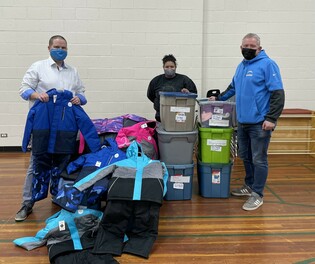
98	164
144	125
62	225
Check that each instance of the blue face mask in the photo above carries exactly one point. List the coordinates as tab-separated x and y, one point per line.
58	54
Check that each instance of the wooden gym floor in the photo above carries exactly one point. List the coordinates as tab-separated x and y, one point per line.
200	230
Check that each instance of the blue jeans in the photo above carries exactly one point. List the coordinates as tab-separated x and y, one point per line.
253	144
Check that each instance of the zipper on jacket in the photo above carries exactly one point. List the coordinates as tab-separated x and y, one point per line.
112	185
63	113
110	160
162	186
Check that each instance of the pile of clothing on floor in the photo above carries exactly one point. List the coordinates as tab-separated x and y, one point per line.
120	171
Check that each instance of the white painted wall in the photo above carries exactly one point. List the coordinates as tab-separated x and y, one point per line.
117	46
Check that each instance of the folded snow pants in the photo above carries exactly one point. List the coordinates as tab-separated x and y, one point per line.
129	227
84	257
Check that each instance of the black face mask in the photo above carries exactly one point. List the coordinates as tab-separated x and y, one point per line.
248	54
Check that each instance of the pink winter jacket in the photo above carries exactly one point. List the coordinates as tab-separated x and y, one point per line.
143	133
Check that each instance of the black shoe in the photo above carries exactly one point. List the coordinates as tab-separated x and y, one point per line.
23	213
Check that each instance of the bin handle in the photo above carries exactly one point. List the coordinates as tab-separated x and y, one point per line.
180	167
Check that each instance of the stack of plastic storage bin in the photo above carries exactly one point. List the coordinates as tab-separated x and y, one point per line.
216	121
177	135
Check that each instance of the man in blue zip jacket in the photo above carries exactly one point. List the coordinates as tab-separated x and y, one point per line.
259	94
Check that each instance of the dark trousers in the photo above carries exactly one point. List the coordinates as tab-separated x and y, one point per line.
46	172
129	227
84	257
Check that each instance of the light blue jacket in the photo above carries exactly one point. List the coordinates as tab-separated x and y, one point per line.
253	83
63	226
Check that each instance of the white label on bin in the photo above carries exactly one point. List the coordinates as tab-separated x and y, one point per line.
216	177
180	117
178	185
216	117
217	122
218	110
216	148
216	142
180	178
180	109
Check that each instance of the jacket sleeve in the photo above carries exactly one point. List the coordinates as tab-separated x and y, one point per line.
151	90
92	178
87	128
40	239
165	178
190	85
276	105
76	164
122	139
28	129
228	93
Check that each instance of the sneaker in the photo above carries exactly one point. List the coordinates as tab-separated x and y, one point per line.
242	191
253	202
23	213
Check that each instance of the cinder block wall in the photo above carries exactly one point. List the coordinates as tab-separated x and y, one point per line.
117	47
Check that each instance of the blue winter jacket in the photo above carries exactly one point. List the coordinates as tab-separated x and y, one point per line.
55	124
253	84
137	178
89	163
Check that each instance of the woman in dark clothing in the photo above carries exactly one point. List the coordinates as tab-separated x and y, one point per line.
170	81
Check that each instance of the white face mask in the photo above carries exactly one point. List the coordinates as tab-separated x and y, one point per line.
169	72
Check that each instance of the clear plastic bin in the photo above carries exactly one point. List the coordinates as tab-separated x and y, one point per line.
216	113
